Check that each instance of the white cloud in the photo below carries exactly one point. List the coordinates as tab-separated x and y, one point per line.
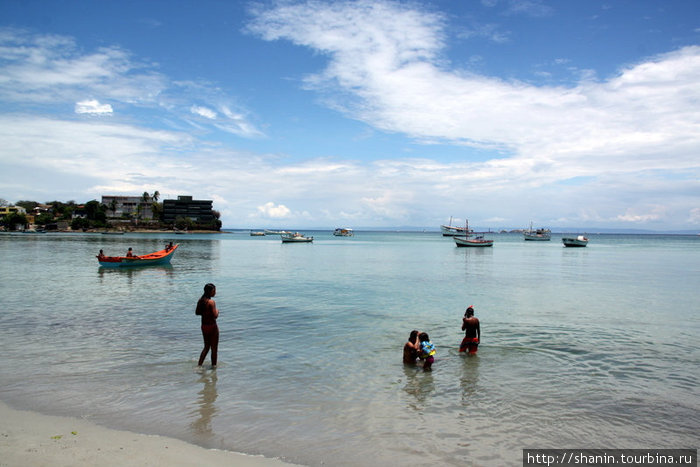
50	69
92	107
203	112
272	211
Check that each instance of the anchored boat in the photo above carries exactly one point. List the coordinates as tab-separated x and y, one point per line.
579	241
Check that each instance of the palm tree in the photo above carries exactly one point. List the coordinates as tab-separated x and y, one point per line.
144	200
156	195
113	207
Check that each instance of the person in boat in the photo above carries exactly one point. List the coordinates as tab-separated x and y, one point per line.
169	246
472	332
427	351
130	253
206	308
411	348
100	255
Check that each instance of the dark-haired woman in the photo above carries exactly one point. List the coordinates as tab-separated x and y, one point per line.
206	308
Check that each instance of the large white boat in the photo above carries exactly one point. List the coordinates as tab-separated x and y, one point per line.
343	232
295	237
538	235
452	230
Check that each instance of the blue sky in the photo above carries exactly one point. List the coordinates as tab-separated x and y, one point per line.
362	113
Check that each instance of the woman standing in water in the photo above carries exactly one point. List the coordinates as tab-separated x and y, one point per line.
206	308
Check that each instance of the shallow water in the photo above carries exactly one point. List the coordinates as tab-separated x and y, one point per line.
593	347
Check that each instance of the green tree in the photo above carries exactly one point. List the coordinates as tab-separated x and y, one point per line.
27	205
156	195
113	207
14	219
44	218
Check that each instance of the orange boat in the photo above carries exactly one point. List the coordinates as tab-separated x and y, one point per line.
152	259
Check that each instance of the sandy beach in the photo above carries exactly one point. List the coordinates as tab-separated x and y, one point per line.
30	438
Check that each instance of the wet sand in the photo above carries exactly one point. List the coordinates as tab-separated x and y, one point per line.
30	438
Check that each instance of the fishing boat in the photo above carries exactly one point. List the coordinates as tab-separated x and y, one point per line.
452	230
478	241
539	235
152	259
579	241
276	232
257	234
295	237
343	232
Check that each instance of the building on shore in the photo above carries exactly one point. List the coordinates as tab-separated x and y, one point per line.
196	210
121	206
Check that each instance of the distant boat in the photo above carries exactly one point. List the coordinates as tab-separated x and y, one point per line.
257	234
579	241
539	235
478	241
276	232
152	259
343	232
296	237
451	231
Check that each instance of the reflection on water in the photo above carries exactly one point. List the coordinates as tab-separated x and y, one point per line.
419	384
469	380
206	409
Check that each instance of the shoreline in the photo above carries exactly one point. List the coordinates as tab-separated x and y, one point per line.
32	438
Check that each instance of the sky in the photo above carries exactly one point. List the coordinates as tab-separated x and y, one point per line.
369	113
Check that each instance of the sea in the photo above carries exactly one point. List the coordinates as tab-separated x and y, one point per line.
595	347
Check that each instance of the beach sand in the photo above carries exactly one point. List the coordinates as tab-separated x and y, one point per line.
33	439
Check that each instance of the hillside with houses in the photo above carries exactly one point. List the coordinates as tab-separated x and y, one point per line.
112	212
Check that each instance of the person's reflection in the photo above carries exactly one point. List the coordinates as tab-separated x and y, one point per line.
207	409
470	376
419	384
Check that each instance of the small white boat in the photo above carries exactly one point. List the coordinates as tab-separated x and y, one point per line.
276	232
343	232
478	241
257	234
579	241
295	237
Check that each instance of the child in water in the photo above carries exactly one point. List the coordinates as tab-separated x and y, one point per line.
427	350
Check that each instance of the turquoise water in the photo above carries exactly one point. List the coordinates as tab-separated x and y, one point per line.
595	347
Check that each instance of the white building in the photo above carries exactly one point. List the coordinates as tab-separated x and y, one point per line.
128	205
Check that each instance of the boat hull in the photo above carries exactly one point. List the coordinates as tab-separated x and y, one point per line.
152	259
472	242
451	231
536	237
574	242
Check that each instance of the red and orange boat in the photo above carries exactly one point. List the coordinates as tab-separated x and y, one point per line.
152	259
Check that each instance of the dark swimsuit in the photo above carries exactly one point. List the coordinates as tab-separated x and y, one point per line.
210	333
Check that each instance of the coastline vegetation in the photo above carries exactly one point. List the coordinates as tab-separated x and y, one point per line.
94	215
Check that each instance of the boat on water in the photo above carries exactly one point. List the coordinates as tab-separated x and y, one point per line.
478	241
152	259
276	232
538	235
257	234
469	241
579	241
452	230
296	237
343	232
